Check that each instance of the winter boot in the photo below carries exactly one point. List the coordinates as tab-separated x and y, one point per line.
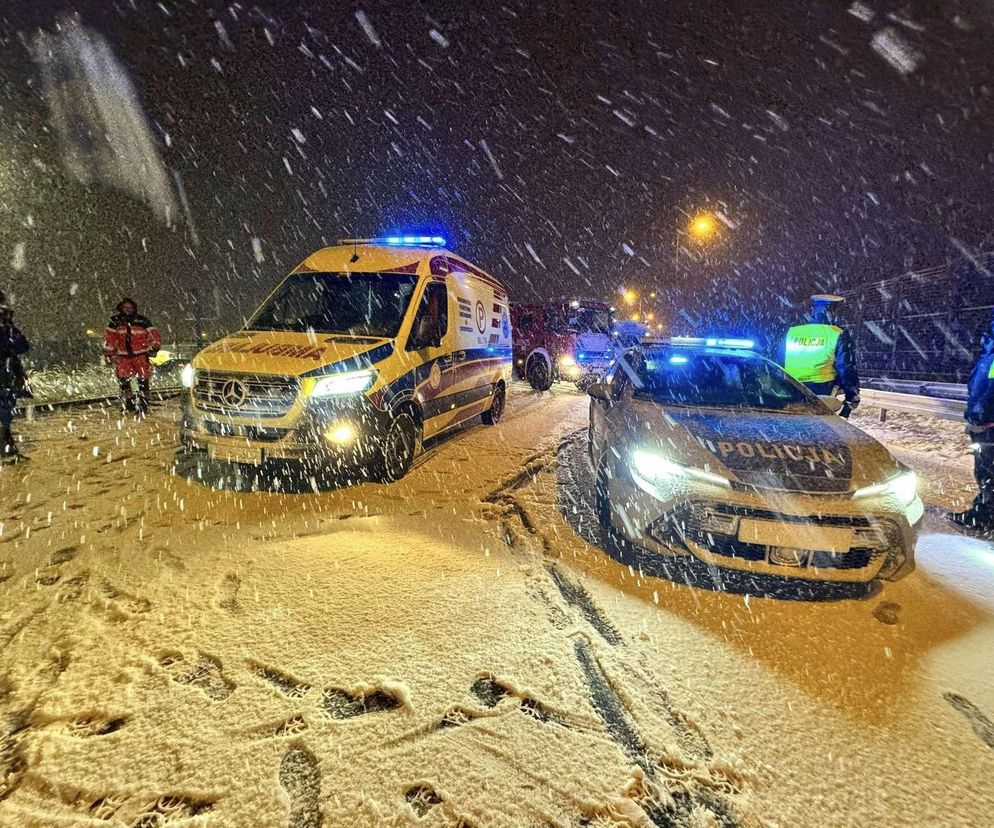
141	408
8	448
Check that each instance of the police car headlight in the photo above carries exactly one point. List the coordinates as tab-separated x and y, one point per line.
656	470
188	376
337	385
904	487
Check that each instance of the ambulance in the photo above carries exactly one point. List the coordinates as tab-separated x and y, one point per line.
364	351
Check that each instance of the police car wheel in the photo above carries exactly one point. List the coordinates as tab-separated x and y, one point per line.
398	449
539	377
495	412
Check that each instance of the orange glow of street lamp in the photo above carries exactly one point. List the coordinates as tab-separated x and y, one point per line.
703	227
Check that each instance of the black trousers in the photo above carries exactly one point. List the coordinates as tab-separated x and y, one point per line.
983	471
7	401
127	392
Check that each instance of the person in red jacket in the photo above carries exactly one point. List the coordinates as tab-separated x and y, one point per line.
131	341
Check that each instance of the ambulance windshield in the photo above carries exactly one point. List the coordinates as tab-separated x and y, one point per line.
356	304
682	377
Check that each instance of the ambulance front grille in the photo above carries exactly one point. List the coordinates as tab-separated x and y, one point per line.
245	395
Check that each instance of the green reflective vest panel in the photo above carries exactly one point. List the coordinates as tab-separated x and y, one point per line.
809	355
990	372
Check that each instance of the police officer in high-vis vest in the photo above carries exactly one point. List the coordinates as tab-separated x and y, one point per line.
822	355
979	416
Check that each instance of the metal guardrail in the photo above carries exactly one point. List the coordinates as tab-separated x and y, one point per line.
941	390
943	409
32	408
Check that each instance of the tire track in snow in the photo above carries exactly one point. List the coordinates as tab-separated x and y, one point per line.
609	708
616	720
979	721
577	596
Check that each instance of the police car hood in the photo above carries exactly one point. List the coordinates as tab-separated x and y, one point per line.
788	452
289	354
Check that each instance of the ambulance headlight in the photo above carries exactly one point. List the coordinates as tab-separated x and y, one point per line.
338	385
188	376
656	470
904	487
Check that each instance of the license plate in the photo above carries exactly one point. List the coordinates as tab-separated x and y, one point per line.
236	454
796	535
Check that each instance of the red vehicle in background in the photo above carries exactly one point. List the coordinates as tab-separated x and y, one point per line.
562	341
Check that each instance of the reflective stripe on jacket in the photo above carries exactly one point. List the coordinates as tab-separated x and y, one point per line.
131	336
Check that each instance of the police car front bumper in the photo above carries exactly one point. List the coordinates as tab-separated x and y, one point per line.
343	432
812	537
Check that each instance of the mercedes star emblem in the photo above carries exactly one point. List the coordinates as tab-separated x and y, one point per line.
234	394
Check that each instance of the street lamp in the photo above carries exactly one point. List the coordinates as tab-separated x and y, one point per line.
703	227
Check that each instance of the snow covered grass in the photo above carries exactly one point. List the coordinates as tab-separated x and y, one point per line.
59	383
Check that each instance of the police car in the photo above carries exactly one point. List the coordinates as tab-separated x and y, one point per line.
366	349
703	448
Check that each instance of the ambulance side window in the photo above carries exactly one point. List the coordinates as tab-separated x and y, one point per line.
432	320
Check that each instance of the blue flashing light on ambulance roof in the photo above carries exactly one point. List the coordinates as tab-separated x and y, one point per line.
400	241
713	342
426	241
678	359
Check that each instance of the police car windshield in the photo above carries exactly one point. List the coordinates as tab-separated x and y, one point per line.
681	376
357	304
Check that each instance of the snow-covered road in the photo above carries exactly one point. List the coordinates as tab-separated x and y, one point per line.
451	650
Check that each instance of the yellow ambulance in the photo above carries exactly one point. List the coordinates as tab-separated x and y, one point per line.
365	350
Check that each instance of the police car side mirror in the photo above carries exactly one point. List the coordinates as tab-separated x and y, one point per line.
600	391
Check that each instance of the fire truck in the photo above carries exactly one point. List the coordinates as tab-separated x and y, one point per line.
567	340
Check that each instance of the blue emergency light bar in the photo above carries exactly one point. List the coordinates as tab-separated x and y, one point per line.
713	342
400	241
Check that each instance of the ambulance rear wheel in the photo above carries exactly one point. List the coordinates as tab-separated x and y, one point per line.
539	376
398	449
495	412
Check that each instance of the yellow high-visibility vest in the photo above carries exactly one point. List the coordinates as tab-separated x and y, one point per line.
809	355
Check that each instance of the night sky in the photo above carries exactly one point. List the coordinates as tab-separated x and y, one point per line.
559	145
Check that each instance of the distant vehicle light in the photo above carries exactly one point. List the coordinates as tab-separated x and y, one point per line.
677	359
574	304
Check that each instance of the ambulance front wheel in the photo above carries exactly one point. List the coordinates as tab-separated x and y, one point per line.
493	414
397	451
